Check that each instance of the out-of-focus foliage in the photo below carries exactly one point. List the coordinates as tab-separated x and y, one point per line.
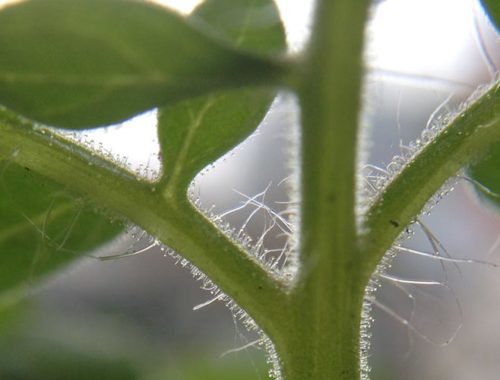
196	132
80	64
493	9
42	227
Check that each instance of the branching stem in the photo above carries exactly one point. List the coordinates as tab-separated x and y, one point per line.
176	225
468	137
315	323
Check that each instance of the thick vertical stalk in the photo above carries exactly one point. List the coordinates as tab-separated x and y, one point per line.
322	337
326	301
330	100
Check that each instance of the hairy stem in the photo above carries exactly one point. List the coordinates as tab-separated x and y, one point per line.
325	304
237	274
466	138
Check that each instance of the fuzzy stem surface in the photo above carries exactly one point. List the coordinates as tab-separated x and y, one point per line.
325	304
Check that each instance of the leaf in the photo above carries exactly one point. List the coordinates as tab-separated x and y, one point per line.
194	133
492	8
487	174
250	24
79	64
35	358
201	365
42	227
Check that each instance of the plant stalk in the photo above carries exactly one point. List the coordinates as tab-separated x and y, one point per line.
468	137
325	304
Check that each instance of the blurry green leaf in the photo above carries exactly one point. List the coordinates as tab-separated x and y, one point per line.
250	24
194	133
42	227
203	366
487	175
11	313
80	64
39	359
492	8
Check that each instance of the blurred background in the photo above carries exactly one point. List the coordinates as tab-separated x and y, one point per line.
133	317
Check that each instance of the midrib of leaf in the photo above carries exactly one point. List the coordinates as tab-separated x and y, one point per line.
172	185
18	228
244	27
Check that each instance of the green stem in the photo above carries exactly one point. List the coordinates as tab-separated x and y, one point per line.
321	336
238	275
330	100
465	139
325	305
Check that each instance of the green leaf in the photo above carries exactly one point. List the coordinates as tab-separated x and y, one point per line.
251	24
89	63
492	8
487	175
42	227
196	132
201	365
35	358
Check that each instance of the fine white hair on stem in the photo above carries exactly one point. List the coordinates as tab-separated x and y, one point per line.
129	254
373	180
444	259
254	343
494	246
218	297
439	108
437	247
241	340
418	285
400	280
252	210
413	329
413	310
